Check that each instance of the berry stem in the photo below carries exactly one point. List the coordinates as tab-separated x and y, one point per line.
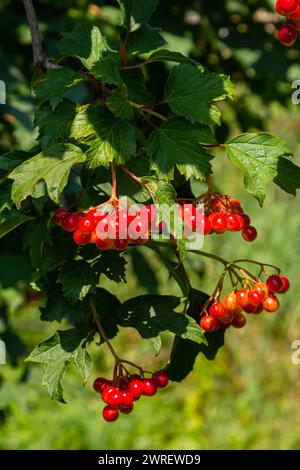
103	334
143	108
262	265
138	180
113	182
214	145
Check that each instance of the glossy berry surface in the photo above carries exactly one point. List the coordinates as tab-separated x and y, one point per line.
110	414
287	34
250	233
275	283
208	323
160	379
149	387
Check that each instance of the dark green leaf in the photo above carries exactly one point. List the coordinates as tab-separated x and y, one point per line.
119	104
53	165
57	307
11	160
261	157
110	138
163	55
63	250
85	43
144	40
77	279
9	220
107	306
137	12
192	94
5	196
177	142
64	348
113	265
35	237
137	91
56	84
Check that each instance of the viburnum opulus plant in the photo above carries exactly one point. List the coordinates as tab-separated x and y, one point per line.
110	159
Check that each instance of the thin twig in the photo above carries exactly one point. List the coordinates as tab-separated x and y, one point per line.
102	332
39	58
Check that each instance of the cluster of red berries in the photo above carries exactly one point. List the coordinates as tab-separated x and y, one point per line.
288	32
221	214
251	299
120	394
113	230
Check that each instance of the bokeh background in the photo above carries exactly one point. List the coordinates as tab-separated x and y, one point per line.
248	398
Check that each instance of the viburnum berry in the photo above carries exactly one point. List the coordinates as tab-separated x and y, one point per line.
285	285
160	379
296	14
106	392
135	387
99	384
217	310
87	225
230	302
286	6
242	297
70	222
60	215
208	323
275	283
218	222
271	303
114	398
249	233
81	238
110	414
255	297
233	222
250	308
127	400
149	387
239	321
287	34
127	410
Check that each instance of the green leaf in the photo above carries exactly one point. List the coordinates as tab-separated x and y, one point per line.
64	348
176	143
192	94
261	157
56	84
5	196
107	307
118	103
113	265
156	344
10	160
85	43
110	138
35	237
53	166
185	352
61	251
107	63
9	220
137	12
144	40
55	126
137	91
151	314
57	307
77	279
163	55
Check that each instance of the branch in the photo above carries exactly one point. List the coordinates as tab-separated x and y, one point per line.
39	58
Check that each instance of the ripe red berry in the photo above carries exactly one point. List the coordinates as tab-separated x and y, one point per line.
295	15
149	387
228	317
99	384
104	244
127	399
218	222
208	323
255	297
115	398
120	244
233	222
287	34
70	222
86	225
160	379
286	6
242	297
126	410
286	285
250	308
230	302
107	391
110	414
239	321
135	387
246	219
80	238
60	215
249	233
217	310
275	283
204	225
271	304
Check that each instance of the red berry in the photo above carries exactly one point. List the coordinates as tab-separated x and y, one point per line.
110	414
295	15
99	384
208	323
204	225
95	215
60	215
149	387
271	304
246	219
86	225
115	398
275	283
107	391
242	297
287	6
228	317
230	302
127	400
70	222
120	244
255	297
249	233
135	387
239	321
80	238
104	244
160	379
279	9
286	285
217	310
218	222
233	222
287	34
250	308
126	410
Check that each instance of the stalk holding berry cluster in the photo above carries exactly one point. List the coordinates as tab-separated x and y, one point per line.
125	141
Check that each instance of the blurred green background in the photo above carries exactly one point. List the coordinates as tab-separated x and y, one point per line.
248	398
